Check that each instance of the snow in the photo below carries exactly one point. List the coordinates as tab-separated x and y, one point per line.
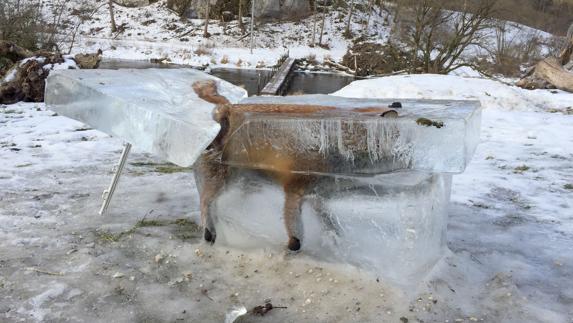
491	93
510	229
68	64
157	32
10	76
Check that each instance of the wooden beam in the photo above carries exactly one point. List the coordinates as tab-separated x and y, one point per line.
277	84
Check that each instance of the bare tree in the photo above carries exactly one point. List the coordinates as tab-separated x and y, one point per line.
313	24
252	25
567	51
206	30
112	17
324	9
50	32
438	37
241	25
347	31
71	37
19	23
370	9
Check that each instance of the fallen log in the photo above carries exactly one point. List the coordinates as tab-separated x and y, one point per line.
551	71
339	66
531	83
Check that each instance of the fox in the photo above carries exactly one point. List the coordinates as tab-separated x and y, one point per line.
212	174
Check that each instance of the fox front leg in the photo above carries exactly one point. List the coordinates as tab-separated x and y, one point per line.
210	176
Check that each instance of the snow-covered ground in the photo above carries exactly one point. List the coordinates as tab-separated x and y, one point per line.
510	229
157	32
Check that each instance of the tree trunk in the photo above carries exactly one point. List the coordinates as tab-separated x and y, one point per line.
313	24
565	55
111	16
206	31
551	71
370	8
252	25
241	25
324	8
350	12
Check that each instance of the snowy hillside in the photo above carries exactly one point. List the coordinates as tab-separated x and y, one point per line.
155	32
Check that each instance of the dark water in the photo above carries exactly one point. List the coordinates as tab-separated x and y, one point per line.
317	83
251	80
254	80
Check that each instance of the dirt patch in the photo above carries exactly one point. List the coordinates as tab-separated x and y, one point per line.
376	59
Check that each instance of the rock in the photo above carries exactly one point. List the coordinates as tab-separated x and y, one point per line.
13	52
159	257
282	9
4	309
264	9
227	16
88	61
134	3
118	275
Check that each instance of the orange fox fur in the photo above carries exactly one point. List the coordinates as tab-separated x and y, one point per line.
211	173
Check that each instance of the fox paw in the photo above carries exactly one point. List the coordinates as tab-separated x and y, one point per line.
210	236
294	244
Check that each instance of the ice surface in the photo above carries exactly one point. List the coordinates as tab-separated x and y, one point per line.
156	110
349	143
392	224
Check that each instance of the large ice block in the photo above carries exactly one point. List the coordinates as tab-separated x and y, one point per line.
433	136
156	110
391	224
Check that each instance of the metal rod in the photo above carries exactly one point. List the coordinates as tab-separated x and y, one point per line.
108	194
252	23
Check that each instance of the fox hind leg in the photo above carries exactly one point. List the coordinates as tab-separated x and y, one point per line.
294	190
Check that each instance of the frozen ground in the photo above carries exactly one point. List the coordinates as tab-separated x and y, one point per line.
510	231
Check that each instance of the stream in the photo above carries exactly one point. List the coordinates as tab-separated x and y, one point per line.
253	80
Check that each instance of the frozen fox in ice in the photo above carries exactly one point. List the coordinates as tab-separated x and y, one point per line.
212	174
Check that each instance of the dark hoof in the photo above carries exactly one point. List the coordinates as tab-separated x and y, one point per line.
294	244
210	237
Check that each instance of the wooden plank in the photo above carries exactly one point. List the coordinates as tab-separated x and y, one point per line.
277	83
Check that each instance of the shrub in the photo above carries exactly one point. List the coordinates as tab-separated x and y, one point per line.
203	50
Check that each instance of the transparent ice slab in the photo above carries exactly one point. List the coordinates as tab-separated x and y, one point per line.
432	136
391	224
156	110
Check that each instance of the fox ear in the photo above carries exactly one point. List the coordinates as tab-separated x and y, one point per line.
207	90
